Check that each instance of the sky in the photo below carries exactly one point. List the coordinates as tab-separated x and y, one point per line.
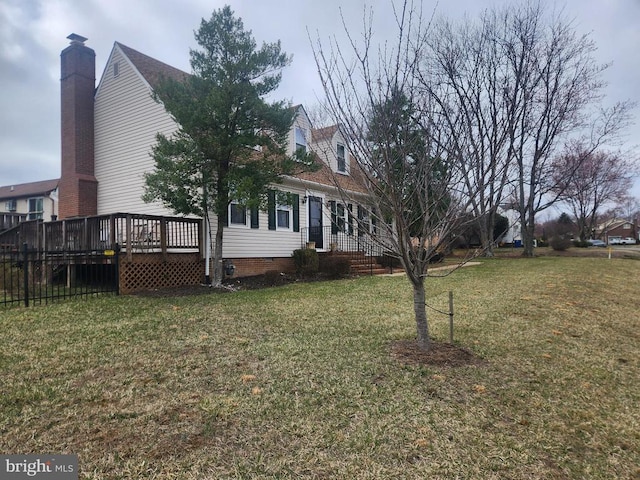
33	33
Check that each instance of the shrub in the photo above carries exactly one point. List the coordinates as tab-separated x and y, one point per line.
581	243
306	261
335	266
559	243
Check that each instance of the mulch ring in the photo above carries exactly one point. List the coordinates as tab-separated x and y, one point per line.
439	355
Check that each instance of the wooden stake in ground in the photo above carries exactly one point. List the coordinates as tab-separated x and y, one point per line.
450	316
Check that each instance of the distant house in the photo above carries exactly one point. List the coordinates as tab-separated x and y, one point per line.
513	235
108	133
28	201
617	230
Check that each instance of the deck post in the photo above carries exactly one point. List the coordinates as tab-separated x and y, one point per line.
128	239
163	237
112	229
85	235
117	268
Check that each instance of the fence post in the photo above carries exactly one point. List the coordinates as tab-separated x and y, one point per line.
25	269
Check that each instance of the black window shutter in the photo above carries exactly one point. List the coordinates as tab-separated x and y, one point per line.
254	218
296	212
360	218
225	217
271	209
334	219
350	219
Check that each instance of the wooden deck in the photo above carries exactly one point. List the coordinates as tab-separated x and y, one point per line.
131	233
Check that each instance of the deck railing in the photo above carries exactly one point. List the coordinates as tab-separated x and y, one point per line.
132	232
10	220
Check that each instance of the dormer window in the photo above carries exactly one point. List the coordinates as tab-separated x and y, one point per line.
301	139
342	162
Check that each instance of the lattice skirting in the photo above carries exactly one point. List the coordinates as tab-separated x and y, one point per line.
152	271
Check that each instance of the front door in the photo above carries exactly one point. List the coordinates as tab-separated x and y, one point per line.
315	221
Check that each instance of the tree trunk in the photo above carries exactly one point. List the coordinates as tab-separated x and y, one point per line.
527	239
420	311
486	235
217	253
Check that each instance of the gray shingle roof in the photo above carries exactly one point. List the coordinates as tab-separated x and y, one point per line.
43	187
151	69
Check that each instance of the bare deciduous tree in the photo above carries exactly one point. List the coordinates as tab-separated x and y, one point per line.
556	85
401	145
453	119
466	75
515	87
599	178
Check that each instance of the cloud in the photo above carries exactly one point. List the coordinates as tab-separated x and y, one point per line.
33	32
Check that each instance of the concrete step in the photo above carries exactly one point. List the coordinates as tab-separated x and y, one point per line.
368	268
362	264
371	271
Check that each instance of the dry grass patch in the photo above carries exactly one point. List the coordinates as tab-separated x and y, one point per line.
301	381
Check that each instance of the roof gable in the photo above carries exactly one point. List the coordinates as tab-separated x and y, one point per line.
328	133
301	112
149	69
613	223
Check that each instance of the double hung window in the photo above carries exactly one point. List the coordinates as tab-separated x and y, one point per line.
237	214
301	140
36	208
342	162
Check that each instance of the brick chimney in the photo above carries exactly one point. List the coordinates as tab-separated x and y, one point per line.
78	189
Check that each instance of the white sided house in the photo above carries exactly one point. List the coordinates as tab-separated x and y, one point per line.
28	201
103	166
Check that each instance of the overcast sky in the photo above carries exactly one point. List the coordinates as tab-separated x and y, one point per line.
33	32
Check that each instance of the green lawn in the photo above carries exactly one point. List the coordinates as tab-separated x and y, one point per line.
299	381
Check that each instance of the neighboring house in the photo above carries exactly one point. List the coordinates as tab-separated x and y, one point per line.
513	236
616	230
28	201
103	166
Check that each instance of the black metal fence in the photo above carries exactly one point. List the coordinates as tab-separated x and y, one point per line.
31	276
